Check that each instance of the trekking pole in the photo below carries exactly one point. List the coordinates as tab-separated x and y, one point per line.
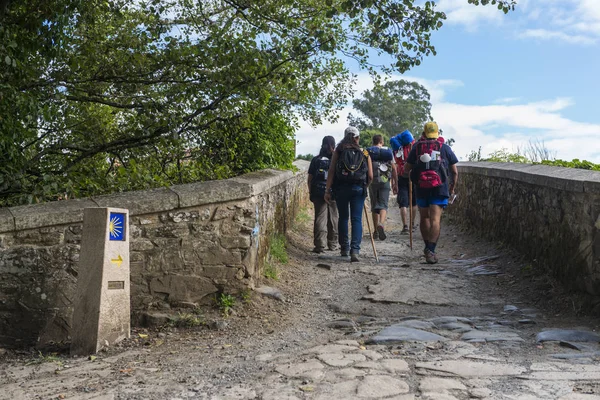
370	233
410	208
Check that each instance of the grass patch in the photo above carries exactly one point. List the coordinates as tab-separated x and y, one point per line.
277	248
303	216
246	296
46	358
225	302
271	271
187	320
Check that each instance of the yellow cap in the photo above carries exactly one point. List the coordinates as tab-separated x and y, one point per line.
431	130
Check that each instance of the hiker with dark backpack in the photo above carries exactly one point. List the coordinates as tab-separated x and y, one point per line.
384	180
427	163
325	228
350	173
402	144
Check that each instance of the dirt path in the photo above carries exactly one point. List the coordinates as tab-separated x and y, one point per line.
398	329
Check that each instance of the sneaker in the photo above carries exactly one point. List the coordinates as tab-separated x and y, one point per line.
344	253
318	250
405	230
376	235
381	232
430	257
354	257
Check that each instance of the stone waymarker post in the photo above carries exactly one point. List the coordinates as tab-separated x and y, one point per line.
101	316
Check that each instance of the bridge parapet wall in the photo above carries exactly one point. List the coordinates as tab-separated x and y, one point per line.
188	242
550	214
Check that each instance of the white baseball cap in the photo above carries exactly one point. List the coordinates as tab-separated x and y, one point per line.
351	131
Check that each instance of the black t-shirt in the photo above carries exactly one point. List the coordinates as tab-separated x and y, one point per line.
448	158
312	169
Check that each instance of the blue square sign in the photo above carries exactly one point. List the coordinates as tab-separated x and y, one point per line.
116	226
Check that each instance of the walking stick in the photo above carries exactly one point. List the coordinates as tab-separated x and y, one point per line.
370	233
410	208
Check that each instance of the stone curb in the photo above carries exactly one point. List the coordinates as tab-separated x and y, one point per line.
569	179
7	220
147	201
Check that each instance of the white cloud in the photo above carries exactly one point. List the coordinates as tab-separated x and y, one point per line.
473	126
460	12
570	21
545	34
589	13
506	100
310	137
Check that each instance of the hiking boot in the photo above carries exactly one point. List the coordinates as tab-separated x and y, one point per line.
430	257
404	230
332	247
381	232
376	235
354	257
318	250
344	253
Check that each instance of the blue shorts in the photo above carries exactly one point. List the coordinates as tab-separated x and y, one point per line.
425	202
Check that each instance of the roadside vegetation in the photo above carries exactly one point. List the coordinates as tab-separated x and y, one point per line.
535	152
277	256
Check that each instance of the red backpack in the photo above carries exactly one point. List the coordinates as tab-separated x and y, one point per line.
401	161
429	174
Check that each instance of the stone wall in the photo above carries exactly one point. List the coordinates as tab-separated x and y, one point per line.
188	242
550	214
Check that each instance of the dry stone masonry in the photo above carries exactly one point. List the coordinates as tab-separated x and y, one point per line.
550	214
188	242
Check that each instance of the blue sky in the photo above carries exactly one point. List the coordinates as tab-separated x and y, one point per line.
499	81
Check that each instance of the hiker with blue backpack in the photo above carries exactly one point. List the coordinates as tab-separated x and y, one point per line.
350	173
325	230
427	164
384	180
401	145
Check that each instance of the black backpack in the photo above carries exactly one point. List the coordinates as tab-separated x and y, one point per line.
319	181
380	176
381	159
352	167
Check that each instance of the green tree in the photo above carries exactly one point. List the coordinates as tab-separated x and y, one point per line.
393	107
475	155
307	157
98	96
503	155
366	137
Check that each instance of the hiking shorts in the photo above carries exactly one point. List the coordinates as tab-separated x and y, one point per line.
379	194
403	193
425	202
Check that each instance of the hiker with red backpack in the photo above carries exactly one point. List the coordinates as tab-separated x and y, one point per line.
350	173
427	163
401	145
325	229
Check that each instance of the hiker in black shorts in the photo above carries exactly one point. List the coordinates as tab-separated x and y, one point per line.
384	180
401	144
